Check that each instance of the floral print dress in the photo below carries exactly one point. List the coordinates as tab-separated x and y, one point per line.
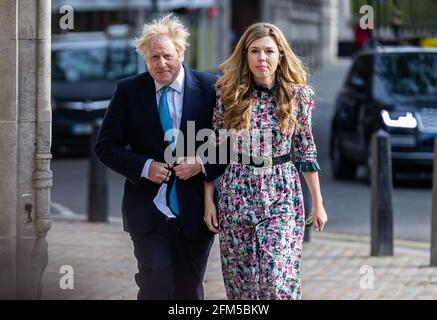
261	214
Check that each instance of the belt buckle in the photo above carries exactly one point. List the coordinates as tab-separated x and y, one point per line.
268	162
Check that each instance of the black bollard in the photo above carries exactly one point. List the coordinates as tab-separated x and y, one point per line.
98	185
382	189
434	211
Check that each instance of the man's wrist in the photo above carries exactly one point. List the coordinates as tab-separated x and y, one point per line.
202	167
146	168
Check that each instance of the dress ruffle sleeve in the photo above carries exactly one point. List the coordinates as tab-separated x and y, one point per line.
304	147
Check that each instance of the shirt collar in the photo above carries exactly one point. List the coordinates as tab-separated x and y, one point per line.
177	84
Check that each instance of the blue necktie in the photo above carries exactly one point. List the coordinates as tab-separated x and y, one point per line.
167	124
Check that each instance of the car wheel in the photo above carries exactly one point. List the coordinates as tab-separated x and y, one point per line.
342	167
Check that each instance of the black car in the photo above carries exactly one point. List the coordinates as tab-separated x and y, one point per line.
389	88
85	68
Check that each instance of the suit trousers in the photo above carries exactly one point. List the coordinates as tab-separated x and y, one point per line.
170	266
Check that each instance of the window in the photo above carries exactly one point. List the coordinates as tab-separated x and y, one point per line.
102	63
361	74
405	75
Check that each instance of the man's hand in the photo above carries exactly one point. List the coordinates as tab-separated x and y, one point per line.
187	167
159	172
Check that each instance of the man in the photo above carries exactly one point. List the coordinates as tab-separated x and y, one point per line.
163	202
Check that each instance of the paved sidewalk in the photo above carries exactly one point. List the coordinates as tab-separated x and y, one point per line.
102	259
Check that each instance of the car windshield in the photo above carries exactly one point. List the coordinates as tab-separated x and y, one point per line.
103	63
405	75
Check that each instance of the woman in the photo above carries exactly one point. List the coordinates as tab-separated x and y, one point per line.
261	215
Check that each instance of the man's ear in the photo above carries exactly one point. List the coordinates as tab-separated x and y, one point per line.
182	56
145	61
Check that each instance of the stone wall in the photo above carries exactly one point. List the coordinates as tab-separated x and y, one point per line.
309	26
25	121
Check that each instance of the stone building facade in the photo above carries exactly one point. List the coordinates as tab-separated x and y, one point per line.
25	121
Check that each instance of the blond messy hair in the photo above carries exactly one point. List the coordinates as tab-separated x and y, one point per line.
168	25
236	84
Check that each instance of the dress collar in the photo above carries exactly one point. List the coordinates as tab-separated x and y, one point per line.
272	90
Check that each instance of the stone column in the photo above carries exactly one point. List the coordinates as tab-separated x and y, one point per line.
222	29
329	31
8	147
26	212
344	21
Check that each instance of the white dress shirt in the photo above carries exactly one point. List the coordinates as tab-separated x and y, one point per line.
175	98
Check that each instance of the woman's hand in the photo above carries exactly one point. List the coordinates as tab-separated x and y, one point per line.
319	217
210	216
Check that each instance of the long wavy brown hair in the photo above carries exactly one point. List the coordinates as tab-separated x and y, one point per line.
236	84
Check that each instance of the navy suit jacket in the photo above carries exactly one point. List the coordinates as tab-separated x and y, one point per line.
131	133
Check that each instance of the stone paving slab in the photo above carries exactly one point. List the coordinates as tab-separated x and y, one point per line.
333	267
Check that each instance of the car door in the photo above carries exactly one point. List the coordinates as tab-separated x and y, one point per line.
352	102
366	108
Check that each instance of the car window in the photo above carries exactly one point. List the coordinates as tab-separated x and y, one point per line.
406	75
361	73
110	63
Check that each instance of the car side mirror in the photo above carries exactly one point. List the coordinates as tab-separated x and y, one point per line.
358	83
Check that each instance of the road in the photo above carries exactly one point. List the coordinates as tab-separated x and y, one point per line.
347	203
